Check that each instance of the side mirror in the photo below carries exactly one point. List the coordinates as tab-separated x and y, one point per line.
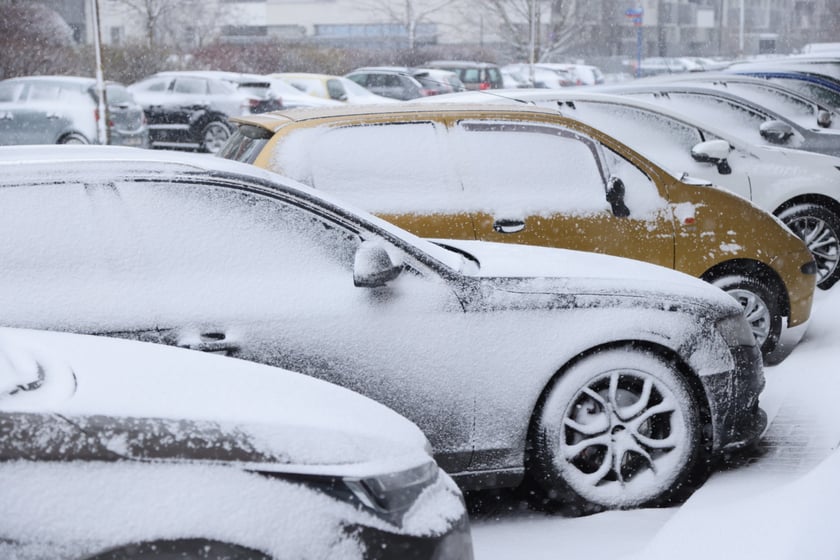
713	151
823	118
776	132
373	267
615	196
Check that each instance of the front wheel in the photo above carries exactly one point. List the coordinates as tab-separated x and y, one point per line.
819	228
214	136
761	308
619	429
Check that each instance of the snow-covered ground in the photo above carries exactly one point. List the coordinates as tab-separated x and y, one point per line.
783	503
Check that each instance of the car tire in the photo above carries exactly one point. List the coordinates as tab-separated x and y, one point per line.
214	135
619	429
761	307
819	228
74	139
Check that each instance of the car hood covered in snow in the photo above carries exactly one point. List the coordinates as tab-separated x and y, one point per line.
92	398
533	269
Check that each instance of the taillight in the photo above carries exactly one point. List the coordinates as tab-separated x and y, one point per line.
484	85
427	92
96	118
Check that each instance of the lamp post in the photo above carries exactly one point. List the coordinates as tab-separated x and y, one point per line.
102	121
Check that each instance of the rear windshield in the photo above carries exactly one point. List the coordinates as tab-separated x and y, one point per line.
117	94
246	143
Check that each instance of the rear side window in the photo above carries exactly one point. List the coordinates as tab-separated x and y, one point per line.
392	168
43	92
336	90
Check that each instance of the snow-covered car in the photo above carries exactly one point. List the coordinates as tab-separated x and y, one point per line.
337	88
797	106
190	110
121	449
610	382
801	188
528	175
749	120
64	110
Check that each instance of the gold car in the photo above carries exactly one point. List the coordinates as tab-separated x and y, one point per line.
527	175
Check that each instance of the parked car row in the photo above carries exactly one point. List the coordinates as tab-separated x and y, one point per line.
593	380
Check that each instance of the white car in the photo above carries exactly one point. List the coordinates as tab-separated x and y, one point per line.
337	88
609	382
802	188
120	449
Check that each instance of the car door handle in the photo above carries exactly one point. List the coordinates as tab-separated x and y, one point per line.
212	342
508	226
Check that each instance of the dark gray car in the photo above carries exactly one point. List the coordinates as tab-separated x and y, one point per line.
64	110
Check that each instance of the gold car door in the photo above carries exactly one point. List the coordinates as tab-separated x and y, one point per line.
540	184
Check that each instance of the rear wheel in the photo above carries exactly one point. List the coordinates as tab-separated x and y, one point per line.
819	228
619	429
761	307
214	136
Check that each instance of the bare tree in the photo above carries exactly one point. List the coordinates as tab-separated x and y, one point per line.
555	23
175	22
408	13
35	40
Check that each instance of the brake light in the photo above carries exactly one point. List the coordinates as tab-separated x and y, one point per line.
428	92
96	118
484	85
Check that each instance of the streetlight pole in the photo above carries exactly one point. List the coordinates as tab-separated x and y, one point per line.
533	42
102	121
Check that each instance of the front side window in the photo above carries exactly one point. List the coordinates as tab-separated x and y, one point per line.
532	169
663	139
336	90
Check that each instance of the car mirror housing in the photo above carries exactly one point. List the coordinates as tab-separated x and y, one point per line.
713	151
373	267
615	196
823	118
776	132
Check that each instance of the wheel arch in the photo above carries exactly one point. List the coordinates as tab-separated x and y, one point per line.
826	201
752	268
68	133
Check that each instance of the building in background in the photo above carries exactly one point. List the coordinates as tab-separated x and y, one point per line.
669	27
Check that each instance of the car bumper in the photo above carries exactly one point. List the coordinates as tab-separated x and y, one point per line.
454	544
736	417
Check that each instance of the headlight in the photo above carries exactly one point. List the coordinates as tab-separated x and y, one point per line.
394	492
736	331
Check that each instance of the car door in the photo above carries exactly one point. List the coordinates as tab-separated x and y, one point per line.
41	119
12	96
219	268
540	184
